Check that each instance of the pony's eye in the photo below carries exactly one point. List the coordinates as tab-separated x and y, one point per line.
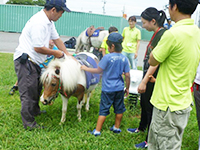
53	84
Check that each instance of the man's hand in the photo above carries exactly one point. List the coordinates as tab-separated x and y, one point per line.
58	54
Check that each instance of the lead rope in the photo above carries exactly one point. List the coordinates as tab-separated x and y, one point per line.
58	91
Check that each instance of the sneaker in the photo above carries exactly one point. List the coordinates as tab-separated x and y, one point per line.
37	126
141	145
93	133
115	130
133	130
13	89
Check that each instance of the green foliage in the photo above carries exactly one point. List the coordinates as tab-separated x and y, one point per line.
27	2
72	135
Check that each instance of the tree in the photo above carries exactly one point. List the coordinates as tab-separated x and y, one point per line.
27	2
39	2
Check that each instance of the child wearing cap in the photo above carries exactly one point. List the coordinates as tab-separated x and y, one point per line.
104	46
112	65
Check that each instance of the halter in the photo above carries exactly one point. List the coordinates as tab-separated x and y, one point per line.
59	89
57	92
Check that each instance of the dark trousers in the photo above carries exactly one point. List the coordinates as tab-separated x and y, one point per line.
146	108
196	89
29	89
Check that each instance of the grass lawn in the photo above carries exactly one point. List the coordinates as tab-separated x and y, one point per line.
73	134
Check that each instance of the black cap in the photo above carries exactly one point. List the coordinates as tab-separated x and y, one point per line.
115	37
59	3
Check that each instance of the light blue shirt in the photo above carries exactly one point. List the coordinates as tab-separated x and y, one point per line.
49	58
113	65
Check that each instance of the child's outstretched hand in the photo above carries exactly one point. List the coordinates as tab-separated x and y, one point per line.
83	67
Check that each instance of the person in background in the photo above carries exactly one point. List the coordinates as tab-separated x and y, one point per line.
112	65
49	57
104	46
196	88
168	24
32	50
152	20
14	88
178	54
131	42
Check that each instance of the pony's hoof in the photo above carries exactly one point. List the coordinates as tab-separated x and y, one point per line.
87	108
61	123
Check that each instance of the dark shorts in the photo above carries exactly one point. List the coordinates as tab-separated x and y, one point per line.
112	98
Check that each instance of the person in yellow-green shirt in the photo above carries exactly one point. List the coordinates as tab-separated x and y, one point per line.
178	53
104	46
131	42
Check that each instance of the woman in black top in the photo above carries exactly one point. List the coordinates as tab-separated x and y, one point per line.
152	20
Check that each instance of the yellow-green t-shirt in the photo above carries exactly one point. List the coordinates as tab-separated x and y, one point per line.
178	52
131	36
105	45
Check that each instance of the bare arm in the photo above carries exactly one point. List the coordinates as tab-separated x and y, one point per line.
145	80
127	79
152	61
48	51
137	48
92	70
103	51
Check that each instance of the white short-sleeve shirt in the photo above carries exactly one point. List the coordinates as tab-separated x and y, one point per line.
36	33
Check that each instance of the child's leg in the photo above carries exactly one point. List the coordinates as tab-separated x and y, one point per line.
16	83
118	118
100	122
14	88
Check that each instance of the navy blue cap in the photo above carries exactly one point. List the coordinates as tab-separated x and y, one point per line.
59	3
115	37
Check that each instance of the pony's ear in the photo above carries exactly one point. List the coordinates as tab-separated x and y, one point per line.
57	71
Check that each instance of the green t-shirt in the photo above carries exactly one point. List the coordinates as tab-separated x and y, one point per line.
178	52
131	36
105	45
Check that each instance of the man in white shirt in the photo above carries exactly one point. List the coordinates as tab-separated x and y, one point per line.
32	50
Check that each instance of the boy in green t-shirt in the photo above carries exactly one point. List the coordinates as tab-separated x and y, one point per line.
104	46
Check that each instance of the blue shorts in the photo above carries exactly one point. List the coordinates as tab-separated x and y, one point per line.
112	98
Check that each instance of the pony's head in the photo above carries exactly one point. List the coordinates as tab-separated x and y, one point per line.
59	74
51	82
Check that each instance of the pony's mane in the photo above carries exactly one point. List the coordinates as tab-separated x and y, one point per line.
49	72
69	72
